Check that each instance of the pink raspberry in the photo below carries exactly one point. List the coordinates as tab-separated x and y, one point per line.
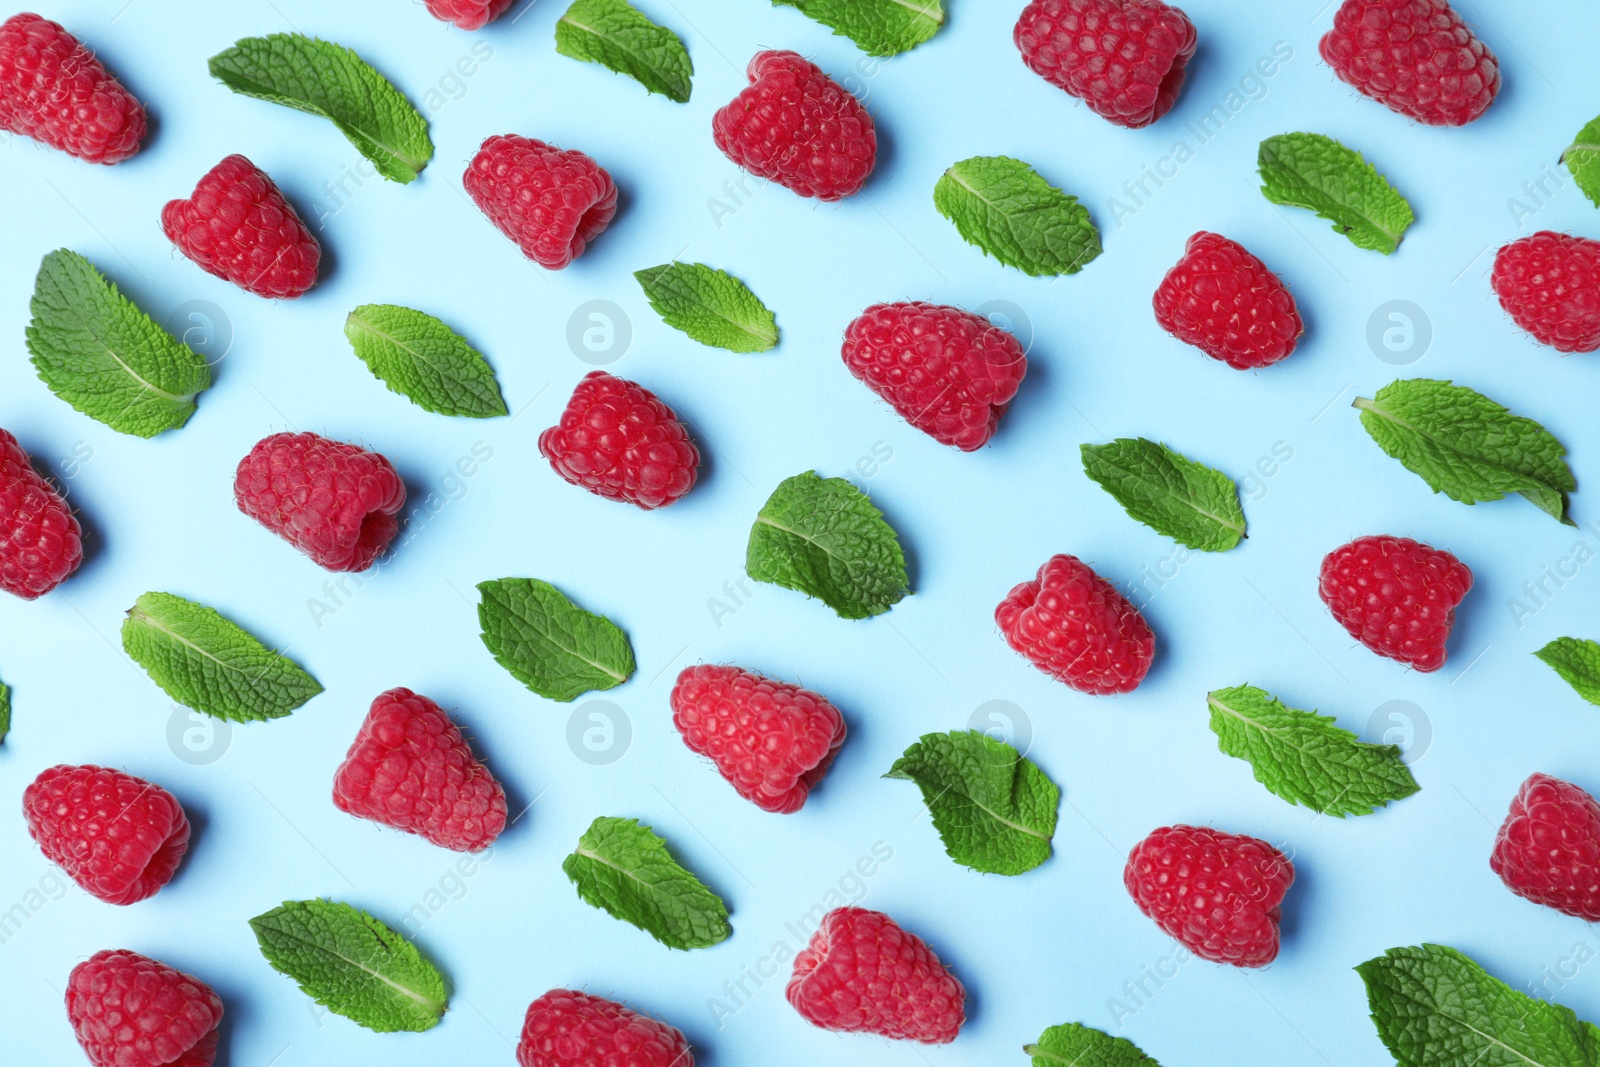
565	1028
551	202
948	372
1548	849
119	837
798	127
617	440
336	502
1124	58
129	1010
861	973
469	14
772	741
1395	596
410	768
40	540
240	227
1415	57
1074	625
1225	302
53	89
1549	283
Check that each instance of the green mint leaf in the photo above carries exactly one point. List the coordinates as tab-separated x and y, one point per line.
548	643
352	964
424	361
1578	663
1305	758
330	80
1312	171
625	870
1074	1045
614	34
1466	446
205	662
1582	158
709	305
105	357
1168	492
1435	1007
878	27
823	537
994	809
1004	207
5	710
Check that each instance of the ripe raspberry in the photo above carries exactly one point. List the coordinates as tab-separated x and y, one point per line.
948	372
772	741
565	1028
469	14
410	768
1415	57
551	202
337	503
1124	58
53	89
861	973
1225	302
119	837
1548	849
40	540
617	440
1218	894
1074	625
1549	283
129	1010
239	226
798	127
1395	596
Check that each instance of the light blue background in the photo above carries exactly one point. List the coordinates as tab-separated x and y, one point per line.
1055	945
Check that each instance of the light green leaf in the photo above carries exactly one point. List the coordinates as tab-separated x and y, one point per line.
5	710
614	34
1435	1007
823	537
994	809
1578	663
1466	446
208	663
624	869
1305	758
548	643
1312	171
104	356
330	80
878	27
1074	1045
1582	158
1168	492
1004	207
711	306
352	964
424	360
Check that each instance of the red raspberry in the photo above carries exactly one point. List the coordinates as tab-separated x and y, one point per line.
1549	283
798	127
1548	849
337	503
948	372
1218	894
469	14
239	226
53	89
40	540
1395	596
862	974
1074	625
552	203
617	440
129	1010
119	837
1415	57
773	742
1124	58
1225	302
410	768
565	1028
